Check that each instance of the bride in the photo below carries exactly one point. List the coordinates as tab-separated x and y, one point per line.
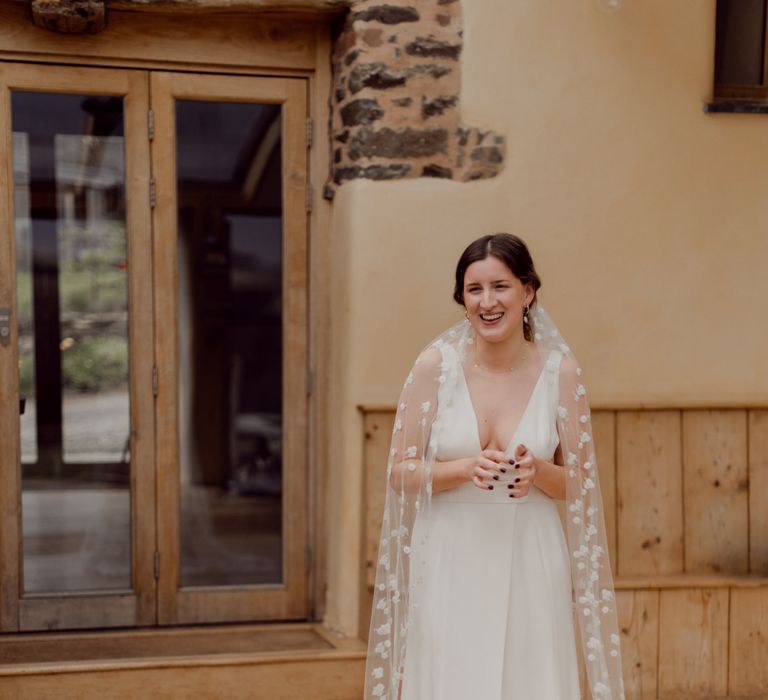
477	586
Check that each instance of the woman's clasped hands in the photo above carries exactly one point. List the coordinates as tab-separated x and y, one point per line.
495	469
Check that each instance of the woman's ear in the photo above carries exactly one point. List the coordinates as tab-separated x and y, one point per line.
530	294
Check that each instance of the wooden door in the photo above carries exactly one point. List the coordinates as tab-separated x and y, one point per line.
230	282
77	534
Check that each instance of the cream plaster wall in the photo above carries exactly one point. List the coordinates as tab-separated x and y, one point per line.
647	219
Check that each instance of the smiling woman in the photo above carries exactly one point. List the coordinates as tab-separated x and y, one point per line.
475	577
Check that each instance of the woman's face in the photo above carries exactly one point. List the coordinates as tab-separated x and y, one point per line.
495	299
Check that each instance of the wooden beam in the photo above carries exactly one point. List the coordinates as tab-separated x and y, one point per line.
70	16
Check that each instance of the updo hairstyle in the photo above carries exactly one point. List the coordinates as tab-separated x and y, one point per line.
512	251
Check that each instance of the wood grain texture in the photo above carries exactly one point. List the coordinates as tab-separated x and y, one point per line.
10	500
758	492
693	643
715	491
378	435
141	338
320	676
246	41
289	599
649	486
638	613
604	435
748	669
320	250
118	609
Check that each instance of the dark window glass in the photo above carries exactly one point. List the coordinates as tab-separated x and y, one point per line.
740	41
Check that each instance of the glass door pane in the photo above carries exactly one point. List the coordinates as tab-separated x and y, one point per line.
229	189
72	311
78	462
231	346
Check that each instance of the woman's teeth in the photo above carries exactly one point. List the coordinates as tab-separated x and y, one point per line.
491	317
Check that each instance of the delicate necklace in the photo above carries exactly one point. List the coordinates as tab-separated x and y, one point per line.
501	371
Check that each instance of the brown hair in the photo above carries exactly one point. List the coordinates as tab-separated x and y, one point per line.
508	248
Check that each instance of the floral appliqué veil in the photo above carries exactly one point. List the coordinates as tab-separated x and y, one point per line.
416	437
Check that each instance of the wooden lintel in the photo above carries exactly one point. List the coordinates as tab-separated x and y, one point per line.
70	16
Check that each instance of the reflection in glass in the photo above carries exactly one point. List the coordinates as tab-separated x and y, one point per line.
230	342
739	42
72	314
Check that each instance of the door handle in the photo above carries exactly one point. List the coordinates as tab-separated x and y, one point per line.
5	326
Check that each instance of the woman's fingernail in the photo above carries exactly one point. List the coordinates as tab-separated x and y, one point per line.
490	487
511	495
503	470
496	477
509	486
511	461
518	479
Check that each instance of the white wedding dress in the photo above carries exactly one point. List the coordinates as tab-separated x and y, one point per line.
494	616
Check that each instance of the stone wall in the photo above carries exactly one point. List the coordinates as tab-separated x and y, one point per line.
396	96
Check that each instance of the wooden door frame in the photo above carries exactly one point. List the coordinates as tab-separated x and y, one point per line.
256	602
302	46
73	610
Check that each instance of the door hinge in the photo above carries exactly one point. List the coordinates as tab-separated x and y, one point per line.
156	565
309	198
310	134
154	381
151	124
152	193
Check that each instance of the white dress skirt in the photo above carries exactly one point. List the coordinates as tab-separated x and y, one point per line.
494	616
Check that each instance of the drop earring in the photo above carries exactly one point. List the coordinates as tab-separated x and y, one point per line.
466	314
525	315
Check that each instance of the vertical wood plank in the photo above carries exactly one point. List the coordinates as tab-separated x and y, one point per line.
378	434
604	434
10	509
649	486
141	331
758	492
748	667
715	491
693	642
638	613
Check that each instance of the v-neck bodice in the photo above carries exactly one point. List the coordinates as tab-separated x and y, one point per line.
537	428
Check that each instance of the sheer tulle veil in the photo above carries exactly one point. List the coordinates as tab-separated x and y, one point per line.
428	390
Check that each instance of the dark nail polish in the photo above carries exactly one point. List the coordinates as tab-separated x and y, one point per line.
490	487
511	461
511	495
509	486
503	470
518	479
496	477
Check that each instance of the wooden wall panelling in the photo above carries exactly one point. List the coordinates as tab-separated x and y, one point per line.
758	492
378	435
748	668
638	613
604	434
693	642
715	491
649	492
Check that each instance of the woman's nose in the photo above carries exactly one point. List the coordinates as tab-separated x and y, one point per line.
487	298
